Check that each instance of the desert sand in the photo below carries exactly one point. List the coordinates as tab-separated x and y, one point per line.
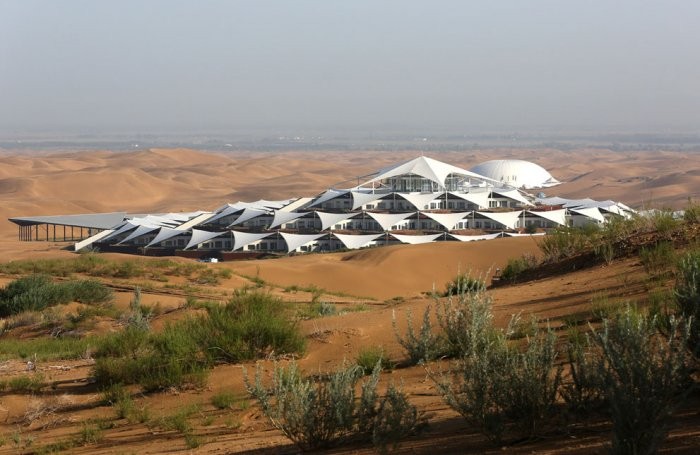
388	281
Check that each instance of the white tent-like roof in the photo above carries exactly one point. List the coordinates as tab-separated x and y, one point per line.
241	239
590	212
420	200
354	242
327	196
431	169
199	237
480	198
387	220
416	239
508	219
282	216
515	234
294	241
517	173
360	198
248	214
164	234
447	220
138	232
329	219
557	216
473	238
126	227
230	210
512	194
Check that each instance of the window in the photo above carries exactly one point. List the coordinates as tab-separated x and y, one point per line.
493	204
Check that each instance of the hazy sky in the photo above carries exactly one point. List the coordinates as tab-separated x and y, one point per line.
166	64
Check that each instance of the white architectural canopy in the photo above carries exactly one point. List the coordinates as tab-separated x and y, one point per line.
327	196
516	173
294	241
590	212
512	194
431	169
361	198
479	198
354	242
164	234
283	216
248	214
241	239
472	238
420	200
556	216
199	236
329	219
387	220
447	220
138	232
416	239
508	219
229	210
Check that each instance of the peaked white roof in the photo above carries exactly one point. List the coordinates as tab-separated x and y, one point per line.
512	194
472	238
431	169
590	212
354	242
247	214
361	198
387	220
199	236
415	239
327	196
508	219
420	200
447	220
165	234
283	216
517	173
480	198
329	219
138	232
515	234
229	210
294	241
557	216
241	239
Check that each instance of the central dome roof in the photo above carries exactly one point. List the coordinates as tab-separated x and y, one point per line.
517	173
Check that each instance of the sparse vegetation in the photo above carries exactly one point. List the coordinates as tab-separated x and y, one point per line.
516	267
424	346
687	293
370	356
463	282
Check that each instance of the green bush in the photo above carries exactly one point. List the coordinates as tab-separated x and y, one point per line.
466	322
463	283
516	267
223	400
657	258
687	293
321	414
368	358
424	346
583	389
645	377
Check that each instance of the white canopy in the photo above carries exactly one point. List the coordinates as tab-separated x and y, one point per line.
229	210
472	238
447	220
590	212
241	239
329	219
248	214
354	242
164	234
360	198
512	194
557	216
480	198
508	219
387	220
420	200
282	216
294	241
431	169
199	236
327	196
127	226
415	239
515	234
138	232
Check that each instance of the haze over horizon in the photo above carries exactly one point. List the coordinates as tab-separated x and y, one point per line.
176	66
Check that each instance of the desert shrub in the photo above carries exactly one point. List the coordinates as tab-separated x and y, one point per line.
26	383
567	242
90	292
687	293
319	414
692	212
46	348
657	258
517	266
463	282
369	357
424	346
223	400
466	322
583	389
644	376
664	223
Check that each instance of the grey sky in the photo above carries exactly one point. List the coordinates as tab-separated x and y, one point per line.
463	64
